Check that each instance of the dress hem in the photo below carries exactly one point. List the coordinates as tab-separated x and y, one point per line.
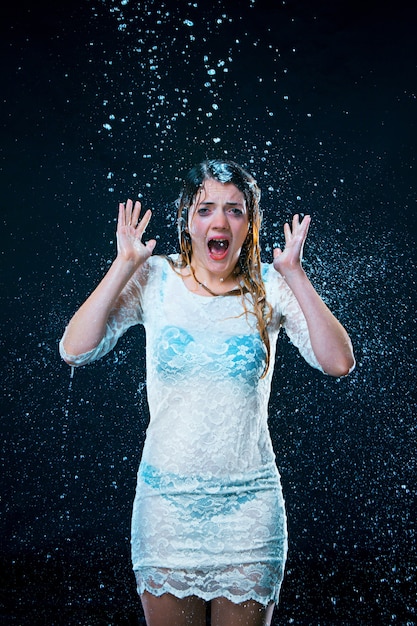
209	595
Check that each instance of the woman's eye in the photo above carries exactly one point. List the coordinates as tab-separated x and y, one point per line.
203	210
236	211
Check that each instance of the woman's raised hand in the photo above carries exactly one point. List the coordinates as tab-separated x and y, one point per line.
130	230
289	260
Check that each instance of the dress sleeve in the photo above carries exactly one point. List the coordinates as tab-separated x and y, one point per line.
287	313
126	313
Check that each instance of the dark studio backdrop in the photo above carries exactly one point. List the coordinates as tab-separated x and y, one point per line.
103	100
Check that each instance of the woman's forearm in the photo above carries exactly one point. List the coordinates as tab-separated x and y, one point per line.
330	341
87	327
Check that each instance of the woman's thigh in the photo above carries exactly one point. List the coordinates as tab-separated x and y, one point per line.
167	609
249	613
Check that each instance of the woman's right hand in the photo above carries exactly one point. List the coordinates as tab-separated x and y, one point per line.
88	325
130	230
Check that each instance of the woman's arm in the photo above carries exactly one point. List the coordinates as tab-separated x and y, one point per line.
87	327
330	342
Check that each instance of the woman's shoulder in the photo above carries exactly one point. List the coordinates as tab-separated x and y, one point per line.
154	265
269	274
277	290
158	261
156	270
265	269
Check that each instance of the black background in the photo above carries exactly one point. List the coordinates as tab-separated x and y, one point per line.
105	100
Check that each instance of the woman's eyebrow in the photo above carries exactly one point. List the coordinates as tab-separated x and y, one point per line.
208	203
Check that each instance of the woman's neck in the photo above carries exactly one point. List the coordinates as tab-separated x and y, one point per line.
208	284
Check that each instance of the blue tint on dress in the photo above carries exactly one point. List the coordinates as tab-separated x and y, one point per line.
237	356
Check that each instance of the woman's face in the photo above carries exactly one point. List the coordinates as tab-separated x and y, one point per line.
218	225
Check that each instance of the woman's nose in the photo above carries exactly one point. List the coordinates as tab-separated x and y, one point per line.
220	219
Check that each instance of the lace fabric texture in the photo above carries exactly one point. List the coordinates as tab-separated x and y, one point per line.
260	582
208	516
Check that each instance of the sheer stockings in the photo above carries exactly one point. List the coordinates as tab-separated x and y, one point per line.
191	611
249	613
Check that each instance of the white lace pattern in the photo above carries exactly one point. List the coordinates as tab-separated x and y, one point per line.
208	516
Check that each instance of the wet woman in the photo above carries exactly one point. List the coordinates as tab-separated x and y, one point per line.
208	521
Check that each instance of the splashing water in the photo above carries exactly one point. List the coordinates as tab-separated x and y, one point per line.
148	90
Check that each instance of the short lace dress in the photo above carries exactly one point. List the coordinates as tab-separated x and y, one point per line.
208	515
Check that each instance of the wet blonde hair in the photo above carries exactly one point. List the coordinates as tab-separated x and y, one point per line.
250	272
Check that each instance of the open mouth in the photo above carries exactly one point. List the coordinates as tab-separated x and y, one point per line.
218	248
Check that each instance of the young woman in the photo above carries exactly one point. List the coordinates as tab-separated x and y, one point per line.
208	518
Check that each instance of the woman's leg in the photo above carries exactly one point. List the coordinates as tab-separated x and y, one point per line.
167	609
249	613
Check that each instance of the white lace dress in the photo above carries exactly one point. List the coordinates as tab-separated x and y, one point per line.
208	515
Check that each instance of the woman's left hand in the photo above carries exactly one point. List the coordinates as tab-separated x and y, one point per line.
329	340
289	260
